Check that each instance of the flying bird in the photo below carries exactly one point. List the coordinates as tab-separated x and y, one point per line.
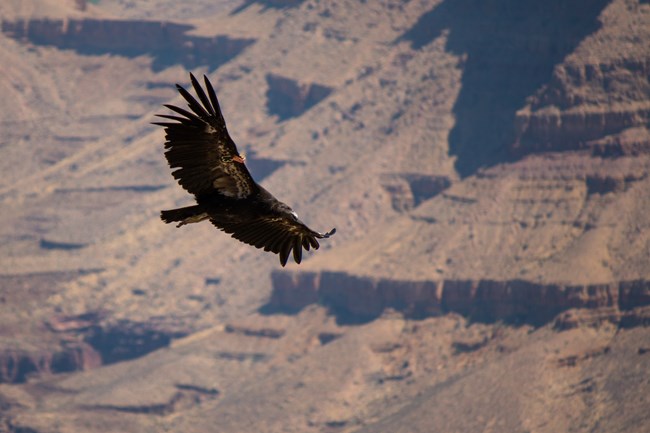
209	166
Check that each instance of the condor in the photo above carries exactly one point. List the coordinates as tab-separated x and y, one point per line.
208	165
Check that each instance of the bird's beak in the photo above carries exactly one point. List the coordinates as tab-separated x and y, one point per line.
239	158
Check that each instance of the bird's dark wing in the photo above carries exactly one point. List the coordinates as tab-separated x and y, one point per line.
278	234
199	146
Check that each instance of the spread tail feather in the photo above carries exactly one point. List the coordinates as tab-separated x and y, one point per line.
184	215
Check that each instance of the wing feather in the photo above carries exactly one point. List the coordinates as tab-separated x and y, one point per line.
274	242
313	242
178	119
279	234
297	249
199	146
215	102
201	94
193	103
190	116
305	243
285	249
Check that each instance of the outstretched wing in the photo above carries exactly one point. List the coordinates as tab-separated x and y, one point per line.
199	146
278	234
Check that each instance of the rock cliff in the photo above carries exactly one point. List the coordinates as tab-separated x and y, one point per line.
167	42
515	301
84	343
568	140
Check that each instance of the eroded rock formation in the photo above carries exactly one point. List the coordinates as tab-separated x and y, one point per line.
85	343
519	301
166	42
578	110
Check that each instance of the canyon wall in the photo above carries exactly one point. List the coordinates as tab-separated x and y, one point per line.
166	42
576	110
86	342
518	301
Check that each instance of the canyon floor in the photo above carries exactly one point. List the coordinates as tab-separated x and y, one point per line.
486	167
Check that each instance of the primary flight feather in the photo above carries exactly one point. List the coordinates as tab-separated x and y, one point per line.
208	165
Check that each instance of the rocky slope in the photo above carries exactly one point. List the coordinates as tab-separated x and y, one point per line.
559	213
485	165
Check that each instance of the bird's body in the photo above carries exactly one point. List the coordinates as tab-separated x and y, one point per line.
210	167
